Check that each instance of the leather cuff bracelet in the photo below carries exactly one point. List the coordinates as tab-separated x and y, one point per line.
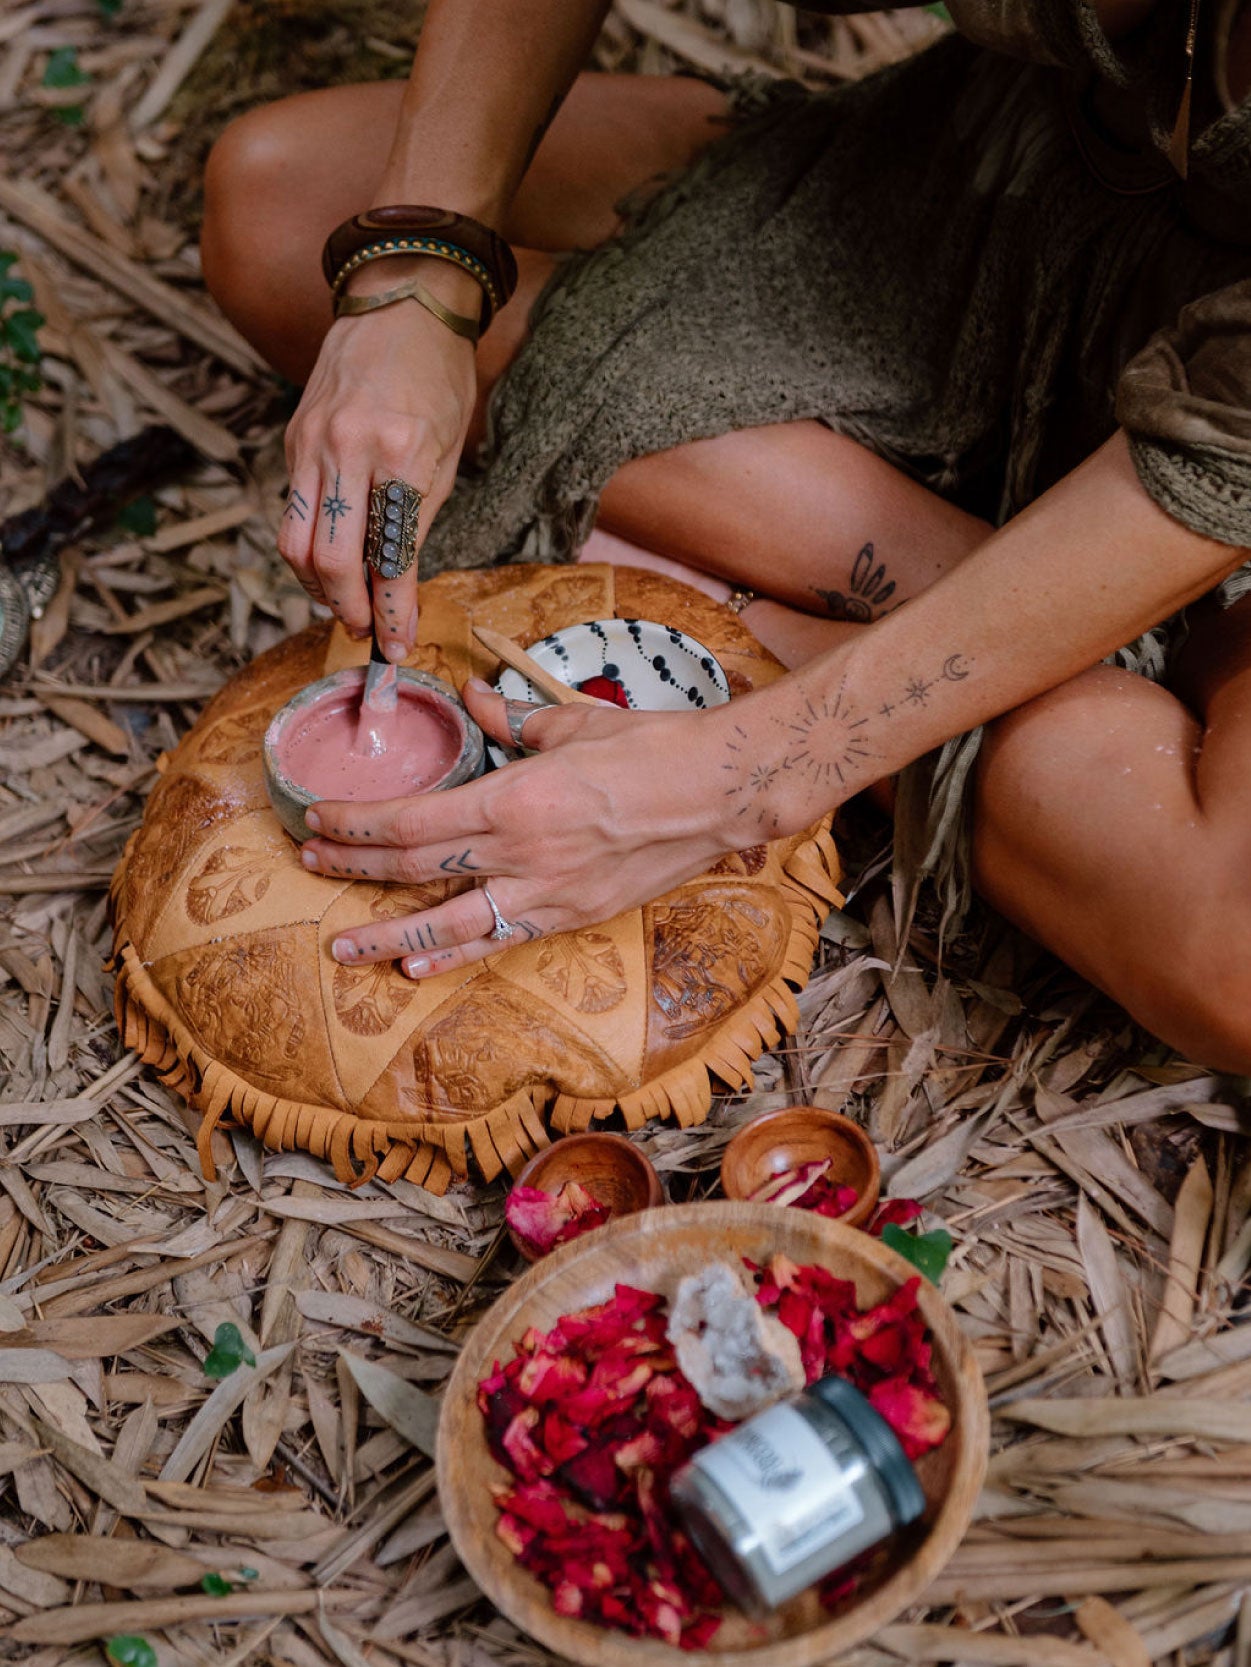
406	229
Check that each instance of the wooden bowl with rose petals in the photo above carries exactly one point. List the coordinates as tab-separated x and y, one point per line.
650	1251
791	1142
614	1173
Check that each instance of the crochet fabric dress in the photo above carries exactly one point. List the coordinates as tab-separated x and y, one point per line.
953	261
977	263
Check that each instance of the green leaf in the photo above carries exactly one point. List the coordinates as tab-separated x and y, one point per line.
139	519
228	1353
216	1585
10	416
62	69
20	330
14	289
928	1252
71	115
128	1651
110	8
939	11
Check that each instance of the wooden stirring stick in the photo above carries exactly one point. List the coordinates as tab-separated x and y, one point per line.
512	654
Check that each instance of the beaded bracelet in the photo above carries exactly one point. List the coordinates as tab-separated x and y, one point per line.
415	229
491	301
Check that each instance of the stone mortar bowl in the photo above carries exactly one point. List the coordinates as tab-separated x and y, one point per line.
291	799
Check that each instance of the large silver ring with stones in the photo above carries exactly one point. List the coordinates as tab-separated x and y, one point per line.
391	530
503	928
518	714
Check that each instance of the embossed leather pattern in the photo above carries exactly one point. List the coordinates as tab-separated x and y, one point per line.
225	981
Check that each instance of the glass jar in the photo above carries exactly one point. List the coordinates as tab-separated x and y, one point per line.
795	1492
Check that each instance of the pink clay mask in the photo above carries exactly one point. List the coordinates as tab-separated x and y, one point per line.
340	749
376	722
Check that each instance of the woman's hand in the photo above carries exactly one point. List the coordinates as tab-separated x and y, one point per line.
390	397
614	809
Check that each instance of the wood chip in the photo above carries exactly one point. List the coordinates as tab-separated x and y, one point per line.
30	205
1147	1415
207	1424
133	1565
85	1621
1185	1258
411	1413
1109	1631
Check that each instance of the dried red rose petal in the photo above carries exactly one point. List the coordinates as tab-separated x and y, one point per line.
917	1416
900	1211
545	1219
808	1187
594	1416
604	688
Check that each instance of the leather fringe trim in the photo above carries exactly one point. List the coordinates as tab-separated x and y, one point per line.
431	1154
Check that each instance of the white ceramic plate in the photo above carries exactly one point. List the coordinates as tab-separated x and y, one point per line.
660	669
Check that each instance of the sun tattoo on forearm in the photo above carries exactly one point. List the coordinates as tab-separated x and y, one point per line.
827	742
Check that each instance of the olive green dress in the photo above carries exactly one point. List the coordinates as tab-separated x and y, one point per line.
977	262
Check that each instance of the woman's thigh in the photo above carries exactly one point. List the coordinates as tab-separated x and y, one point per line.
283	176
1113	823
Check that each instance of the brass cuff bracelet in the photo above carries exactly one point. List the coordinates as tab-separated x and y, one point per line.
410	229
351	306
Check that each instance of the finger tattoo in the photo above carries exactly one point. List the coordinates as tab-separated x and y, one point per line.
418	937
462	864
335	505
297	505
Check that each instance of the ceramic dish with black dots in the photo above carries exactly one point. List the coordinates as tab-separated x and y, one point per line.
634	663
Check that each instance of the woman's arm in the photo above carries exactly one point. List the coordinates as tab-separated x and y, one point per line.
1083	570
488	78
621	807
392	391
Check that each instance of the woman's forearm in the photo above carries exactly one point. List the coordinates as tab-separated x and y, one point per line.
1085	569
488	78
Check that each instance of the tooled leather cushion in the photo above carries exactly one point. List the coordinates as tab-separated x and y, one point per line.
225	981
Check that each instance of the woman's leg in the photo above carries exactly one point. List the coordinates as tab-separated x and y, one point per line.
283	176
1114	826
793	511
1110	824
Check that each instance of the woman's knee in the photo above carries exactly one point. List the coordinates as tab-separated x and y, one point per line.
1087	833
243	192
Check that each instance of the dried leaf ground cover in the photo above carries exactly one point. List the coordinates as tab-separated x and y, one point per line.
1097	1189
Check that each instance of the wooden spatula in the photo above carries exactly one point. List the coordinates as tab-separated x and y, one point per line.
512	654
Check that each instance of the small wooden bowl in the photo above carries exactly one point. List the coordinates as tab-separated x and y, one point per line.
652	1251
780	1140
610	1167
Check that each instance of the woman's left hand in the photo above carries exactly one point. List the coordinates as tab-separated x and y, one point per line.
614	809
